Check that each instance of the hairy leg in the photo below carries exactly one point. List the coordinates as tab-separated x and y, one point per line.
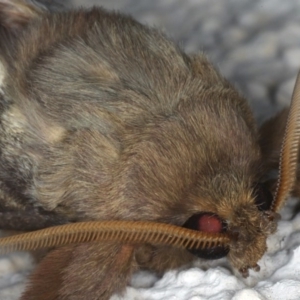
85	271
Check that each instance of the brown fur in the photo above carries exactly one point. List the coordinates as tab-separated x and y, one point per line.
61	273
104	118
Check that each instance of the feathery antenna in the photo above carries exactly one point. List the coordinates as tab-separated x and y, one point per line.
289	151
133	232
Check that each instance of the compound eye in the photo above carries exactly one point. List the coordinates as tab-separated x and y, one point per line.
207	222
263	197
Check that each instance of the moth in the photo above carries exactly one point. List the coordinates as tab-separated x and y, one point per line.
144	155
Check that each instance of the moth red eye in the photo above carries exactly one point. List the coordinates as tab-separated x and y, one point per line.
207	222
263	197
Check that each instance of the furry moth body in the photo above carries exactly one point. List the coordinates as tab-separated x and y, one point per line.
103	118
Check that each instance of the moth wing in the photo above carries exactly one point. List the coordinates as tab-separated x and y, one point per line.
29	219
16	14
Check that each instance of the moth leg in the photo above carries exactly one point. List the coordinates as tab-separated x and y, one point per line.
85	271
162	259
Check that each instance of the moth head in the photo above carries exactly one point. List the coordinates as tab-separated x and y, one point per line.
249	225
